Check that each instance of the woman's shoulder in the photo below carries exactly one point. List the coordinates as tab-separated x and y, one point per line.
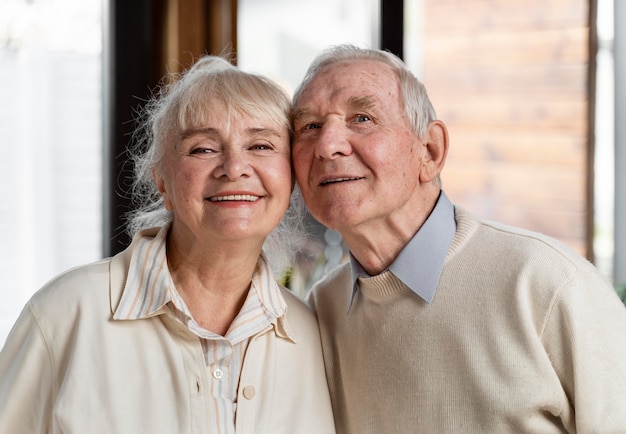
295	305
83	284
300	317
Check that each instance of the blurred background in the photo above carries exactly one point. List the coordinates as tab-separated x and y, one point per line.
527	88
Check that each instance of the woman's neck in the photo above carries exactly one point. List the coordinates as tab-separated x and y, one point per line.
213	280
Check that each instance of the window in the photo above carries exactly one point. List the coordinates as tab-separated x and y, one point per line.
605	142
51	156
279	38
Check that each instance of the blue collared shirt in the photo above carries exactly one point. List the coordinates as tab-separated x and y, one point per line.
420	262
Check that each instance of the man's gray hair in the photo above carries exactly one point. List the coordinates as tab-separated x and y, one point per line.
417	106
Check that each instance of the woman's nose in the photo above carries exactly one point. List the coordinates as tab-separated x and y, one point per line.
234	165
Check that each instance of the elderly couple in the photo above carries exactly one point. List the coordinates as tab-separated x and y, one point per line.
439	323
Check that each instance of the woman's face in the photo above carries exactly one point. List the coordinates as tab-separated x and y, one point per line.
227	179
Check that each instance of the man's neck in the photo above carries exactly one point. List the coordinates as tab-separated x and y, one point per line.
376	244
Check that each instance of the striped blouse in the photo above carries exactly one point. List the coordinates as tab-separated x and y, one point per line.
149	288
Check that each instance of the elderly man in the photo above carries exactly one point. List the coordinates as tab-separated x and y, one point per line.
441	322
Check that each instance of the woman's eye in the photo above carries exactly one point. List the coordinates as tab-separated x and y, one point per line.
201	151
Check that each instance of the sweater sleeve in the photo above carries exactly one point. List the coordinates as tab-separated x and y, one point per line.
585	338
26	378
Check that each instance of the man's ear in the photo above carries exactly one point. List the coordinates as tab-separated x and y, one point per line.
436	144
160	184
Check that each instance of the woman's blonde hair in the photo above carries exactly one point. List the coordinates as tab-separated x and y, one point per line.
182	103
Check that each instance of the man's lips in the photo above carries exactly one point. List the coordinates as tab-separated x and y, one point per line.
234	198
339	179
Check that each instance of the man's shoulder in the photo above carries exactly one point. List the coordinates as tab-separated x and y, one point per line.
334	288
484	238
339	277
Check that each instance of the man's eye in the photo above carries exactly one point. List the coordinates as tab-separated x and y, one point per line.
361	118
311	126
260	146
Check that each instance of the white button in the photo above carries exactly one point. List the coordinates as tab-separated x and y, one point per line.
218	373
249	392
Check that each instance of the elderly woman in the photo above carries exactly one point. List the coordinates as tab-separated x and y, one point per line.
186	331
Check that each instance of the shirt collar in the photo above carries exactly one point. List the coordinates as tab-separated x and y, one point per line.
149	287
146	292
420	263
271	297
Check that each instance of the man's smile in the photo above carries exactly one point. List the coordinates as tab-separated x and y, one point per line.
335	180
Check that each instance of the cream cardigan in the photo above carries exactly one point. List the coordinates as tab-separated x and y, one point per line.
67	367
523	336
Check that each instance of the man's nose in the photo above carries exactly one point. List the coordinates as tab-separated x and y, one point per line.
333	140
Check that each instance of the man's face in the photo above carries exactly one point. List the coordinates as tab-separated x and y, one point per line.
355	157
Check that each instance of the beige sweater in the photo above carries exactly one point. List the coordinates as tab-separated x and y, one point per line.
523	336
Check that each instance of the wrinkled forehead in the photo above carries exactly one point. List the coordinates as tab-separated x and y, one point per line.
347	80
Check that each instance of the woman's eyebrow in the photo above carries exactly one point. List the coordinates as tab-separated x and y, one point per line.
190	132
263	131
210	131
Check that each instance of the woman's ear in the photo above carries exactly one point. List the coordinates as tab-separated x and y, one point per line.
162	187
436	144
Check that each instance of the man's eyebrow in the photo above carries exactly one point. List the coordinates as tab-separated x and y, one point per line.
365	102
298	114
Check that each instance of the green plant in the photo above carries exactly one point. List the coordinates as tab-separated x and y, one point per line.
621	291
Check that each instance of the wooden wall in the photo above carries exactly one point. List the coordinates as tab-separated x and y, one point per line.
512	80
193	28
